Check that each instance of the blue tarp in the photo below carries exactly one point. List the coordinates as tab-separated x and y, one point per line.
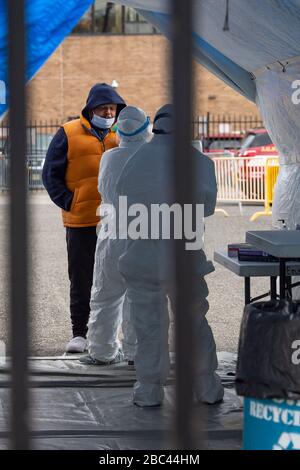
48	22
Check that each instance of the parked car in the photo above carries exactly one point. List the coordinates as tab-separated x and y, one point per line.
197	144
227	144
257	142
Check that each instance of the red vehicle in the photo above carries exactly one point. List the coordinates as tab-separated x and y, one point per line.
257	148
257	143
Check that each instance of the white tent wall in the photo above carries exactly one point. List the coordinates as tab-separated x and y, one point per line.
264	39
279	103
261	44
277	99
260	31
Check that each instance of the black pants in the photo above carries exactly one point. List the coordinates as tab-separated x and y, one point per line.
81	246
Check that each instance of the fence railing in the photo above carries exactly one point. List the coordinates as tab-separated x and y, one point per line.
39	135
246	179
240	179
217	125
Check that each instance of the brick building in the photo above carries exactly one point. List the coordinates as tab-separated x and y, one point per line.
138	62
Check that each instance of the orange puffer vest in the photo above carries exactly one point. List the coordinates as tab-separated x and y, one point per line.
84	154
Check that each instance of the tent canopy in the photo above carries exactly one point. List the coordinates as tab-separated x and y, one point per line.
254	46
259	34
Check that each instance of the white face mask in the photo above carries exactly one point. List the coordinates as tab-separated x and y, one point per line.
102	123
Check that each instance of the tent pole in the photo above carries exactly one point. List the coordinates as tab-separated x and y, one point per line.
18	227
185	437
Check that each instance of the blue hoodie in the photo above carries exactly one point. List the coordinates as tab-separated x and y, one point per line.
56	161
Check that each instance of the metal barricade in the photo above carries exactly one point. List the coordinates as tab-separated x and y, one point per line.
271	173
4	173
246	180
34	172
38	138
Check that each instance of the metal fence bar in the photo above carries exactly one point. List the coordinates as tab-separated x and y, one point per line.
182	98
18	227
209	125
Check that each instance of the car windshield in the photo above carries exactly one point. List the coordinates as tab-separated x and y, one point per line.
220	144
256	140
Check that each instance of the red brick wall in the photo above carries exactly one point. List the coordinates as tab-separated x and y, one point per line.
138	63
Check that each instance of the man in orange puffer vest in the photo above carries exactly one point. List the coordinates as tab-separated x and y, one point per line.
70	175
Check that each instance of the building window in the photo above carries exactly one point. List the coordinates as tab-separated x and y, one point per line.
108	18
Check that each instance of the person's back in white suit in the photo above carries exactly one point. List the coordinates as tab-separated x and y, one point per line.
147	266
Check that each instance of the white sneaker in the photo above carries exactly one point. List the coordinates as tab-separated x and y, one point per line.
76	345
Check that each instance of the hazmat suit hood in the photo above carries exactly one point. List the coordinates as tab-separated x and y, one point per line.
133	125
101	94
163	120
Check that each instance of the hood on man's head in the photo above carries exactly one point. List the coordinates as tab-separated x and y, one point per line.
100	94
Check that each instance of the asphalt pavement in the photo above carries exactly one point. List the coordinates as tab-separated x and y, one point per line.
49	284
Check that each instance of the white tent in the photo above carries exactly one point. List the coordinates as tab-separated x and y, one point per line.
254	46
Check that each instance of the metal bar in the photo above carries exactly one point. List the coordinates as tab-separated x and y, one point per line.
18	226
123	11
282	277
247	291
208	125
93	29
295	284
289	293
273	287
182	99
259	297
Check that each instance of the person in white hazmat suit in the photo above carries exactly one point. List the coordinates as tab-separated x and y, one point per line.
147	267
108	303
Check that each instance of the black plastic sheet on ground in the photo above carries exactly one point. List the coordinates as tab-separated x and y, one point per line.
90	408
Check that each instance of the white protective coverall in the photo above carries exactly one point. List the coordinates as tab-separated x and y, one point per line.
108	300
147	267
